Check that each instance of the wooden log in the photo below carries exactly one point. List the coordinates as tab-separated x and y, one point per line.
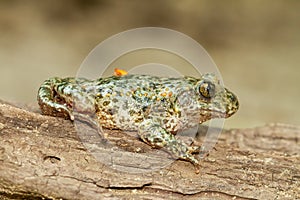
43	157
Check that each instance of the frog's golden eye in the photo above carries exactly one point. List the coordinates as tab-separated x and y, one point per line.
206	89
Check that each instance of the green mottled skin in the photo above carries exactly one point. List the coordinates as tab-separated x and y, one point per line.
155	107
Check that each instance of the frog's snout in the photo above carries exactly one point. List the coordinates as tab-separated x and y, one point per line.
233	104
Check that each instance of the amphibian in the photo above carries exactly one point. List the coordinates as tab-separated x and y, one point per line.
156	107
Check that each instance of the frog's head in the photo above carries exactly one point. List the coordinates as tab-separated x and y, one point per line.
213	99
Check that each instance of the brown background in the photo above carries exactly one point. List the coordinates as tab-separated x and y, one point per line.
256	45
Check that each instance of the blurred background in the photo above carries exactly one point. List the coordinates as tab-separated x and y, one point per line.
255	44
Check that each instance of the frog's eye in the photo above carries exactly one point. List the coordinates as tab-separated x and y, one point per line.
207	89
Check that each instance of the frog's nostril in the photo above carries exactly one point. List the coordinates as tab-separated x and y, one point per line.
233	99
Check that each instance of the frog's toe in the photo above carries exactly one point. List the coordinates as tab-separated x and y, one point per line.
194	149
72	118
197	169
195	162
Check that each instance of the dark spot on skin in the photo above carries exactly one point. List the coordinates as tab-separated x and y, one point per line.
157	140
131	112
152	85
105	103
110	111
138	120
145	108
99	96
163	100
179	114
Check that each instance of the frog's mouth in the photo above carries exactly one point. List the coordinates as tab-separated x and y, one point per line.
212	114
217	111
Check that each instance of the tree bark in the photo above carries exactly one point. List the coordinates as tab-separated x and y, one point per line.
43	157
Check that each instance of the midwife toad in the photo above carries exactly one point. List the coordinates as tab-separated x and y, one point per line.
157	108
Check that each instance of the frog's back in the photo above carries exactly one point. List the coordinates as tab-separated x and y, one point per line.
124	102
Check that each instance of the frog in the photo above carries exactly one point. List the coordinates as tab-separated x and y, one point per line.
157	108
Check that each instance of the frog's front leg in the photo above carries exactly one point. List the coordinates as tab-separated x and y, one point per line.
153	134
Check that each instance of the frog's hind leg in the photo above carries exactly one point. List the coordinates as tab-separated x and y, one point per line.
49	104
156	136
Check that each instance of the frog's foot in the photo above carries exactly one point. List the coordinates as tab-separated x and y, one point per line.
156	136
55	109
66	113
49	104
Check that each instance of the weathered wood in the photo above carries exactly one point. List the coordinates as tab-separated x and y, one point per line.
43	157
